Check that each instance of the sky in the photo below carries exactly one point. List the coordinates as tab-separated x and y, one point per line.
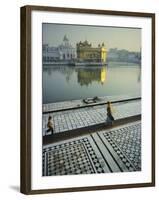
113	37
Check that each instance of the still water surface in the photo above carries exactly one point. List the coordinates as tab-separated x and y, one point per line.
61	83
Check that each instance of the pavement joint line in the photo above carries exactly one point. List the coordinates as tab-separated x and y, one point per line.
89	157
101	153
109	152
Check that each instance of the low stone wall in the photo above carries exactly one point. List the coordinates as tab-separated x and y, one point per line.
53	107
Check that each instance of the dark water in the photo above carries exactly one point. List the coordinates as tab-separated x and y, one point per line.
61	83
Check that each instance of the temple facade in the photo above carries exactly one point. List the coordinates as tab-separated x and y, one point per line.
83	54
87	53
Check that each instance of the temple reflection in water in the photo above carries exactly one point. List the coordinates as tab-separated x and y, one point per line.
86	76
62	83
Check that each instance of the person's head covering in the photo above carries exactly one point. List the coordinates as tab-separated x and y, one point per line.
50	118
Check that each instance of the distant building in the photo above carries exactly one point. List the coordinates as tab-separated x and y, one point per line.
50	54
123	55
85	52
64	52
113	54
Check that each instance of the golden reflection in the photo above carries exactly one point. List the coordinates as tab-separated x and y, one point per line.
103	74
88	75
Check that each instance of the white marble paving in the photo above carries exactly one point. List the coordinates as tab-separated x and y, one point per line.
83	117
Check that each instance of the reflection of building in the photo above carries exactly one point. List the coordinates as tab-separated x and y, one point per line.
88	75
103	74
63	52
85	52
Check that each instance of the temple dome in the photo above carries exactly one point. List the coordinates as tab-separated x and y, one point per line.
65	39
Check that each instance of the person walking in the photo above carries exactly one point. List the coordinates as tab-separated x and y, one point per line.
50	125
110	118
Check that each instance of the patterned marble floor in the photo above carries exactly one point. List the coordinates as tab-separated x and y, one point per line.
113	150
84	117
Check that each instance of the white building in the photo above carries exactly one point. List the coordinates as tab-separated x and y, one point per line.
63	52
50	54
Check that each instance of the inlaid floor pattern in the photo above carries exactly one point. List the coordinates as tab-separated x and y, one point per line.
115	150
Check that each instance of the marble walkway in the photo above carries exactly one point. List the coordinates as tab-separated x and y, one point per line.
85	117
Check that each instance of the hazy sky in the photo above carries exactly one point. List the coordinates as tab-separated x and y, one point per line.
113	37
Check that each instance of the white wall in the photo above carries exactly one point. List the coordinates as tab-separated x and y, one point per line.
10	104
